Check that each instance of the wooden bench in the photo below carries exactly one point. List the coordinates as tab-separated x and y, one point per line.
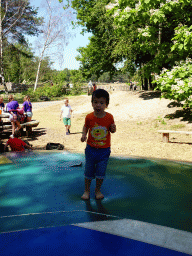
32	123
166	134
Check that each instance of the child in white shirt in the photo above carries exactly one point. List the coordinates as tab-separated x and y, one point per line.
66	112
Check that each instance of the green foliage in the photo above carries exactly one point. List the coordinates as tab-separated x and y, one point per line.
46	90
150	26
176	84
77	89
97	57
20	19
104	78
182	41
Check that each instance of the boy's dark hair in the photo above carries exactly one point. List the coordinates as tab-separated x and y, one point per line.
101	93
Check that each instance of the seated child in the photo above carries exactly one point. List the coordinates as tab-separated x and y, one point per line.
16	144
12	107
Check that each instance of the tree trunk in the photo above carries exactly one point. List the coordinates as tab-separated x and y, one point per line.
2	79
145	84
37	75
142	84
150	84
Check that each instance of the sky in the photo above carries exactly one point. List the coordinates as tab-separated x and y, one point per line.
70	51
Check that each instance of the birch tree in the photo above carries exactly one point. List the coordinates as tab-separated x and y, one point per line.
55	32
17	18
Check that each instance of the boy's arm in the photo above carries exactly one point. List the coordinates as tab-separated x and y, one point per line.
27	146
113	128
84	134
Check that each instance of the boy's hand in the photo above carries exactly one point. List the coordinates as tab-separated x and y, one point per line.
113	128
83	138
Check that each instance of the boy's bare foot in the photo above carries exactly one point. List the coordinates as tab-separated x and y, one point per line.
85	196
99	195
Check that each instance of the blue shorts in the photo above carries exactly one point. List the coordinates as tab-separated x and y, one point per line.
96	162
29	114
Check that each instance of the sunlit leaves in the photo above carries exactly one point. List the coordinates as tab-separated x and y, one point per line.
176	84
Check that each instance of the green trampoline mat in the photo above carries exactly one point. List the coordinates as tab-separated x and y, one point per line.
44	189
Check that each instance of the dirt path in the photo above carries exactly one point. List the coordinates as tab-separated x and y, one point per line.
138	116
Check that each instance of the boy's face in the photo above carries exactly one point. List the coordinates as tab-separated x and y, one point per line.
99	105
66	102
1	100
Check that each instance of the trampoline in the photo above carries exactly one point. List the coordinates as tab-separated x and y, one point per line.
147	209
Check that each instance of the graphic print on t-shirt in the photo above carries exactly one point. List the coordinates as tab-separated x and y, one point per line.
99	133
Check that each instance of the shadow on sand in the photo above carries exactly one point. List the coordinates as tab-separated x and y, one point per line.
148	95
183	114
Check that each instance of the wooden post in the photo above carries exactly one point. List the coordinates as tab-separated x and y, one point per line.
166	137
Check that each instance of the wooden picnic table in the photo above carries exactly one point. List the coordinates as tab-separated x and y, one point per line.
5	126
4	115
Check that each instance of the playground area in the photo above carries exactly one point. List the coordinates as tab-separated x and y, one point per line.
138	117
146	210
147	204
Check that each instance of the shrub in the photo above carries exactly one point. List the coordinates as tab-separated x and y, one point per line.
176	84
46	90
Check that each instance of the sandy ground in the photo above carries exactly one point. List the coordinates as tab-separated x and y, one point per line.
138	117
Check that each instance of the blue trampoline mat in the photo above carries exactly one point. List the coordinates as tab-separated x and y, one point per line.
43	190
71	241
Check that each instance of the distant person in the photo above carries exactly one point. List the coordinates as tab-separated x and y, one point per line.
27	107
90	84
12	107
99	125
94	87
131	86
16	144
90	88
66	112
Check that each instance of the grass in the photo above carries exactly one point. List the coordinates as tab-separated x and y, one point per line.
161	120
177	126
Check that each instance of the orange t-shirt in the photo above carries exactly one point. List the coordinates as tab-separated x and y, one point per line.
99	130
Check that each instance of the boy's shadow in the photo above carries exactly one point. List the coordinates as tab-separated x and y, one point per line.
100	213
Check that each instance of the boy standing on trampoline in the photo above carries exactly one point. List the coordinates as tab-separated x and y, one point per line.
66	112
99	124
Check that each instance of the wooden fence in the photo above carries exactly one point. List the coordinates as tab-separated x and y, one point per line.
112	87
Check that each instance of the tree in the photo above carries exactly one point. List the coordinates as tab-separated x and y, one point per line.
17	19
154	22
97	57
54	32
